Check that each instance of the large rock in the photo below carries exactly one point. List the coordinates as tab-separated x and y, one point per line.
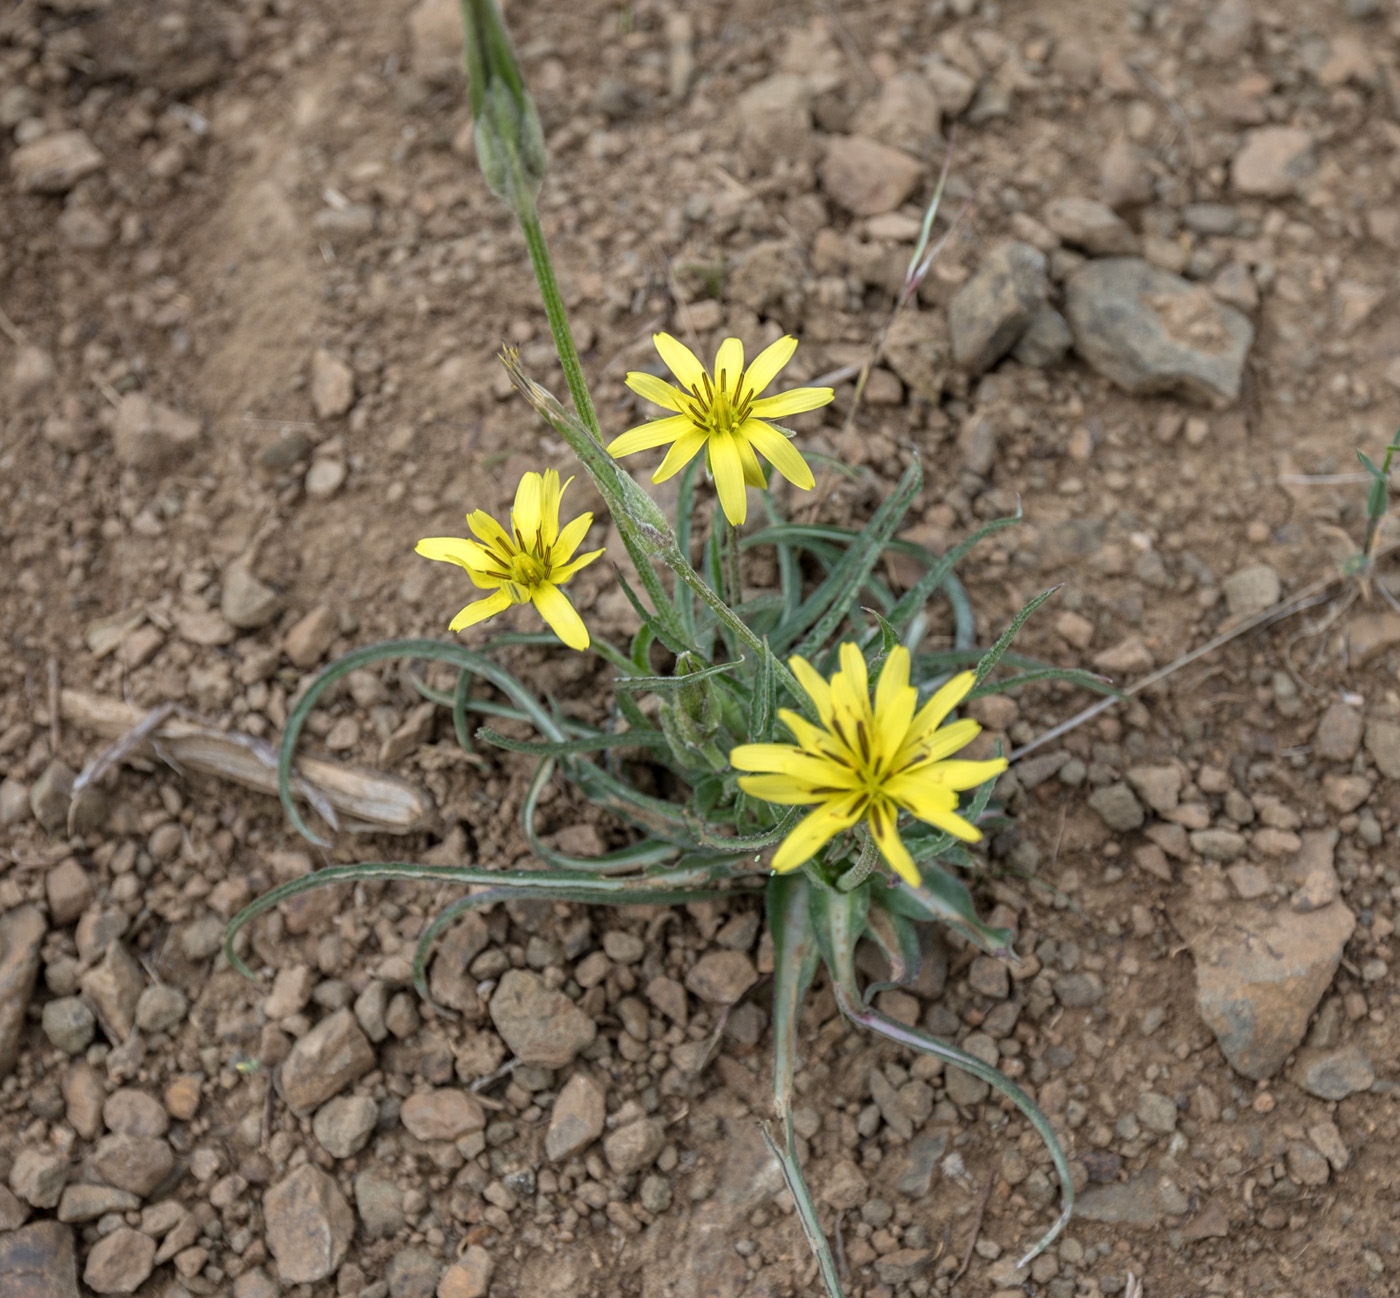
540	1025
1151	331
309	1225
53	164
866	177
994	308
328	1058
38	1261
120	1262
21	935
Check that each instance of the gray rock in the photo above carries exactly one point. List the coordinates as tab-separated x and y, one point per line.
69	890
413	1273
1078	990
540	1025
1122	1203
1274	161
1338	733
332	384
1149	331
775	121
39	1261
326	1060
634	1146
989	977
1091	225
1046	342
308	1225
14	801
132	1112
84	1202
866	177
1252	590
38	1176
444	1113
380	1205
114	988
161	1007
69	1024
904	113
135	1163
721	977
54	163
994	308
21	937
914	1174
1158	786
1335	1074
1383	746
120	1262
344	1125
1117	807
1156	1112
577	1118
246	601
202	938
1218	844
151	436
50	795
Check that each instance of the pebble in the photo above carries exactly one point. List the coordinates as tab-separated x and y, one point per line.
1124	1203
40	1261
634	1146
161	1007
120	1262
344	1125
131	1112
326	476
989	313
54	163
114	988
721	977
1117	807
21	938
14	801
1078	990
988	976
1046	341
905	113
1306	1166
843	1185
1156	1112
69	890
332	385
577	1118
435	41
150	436
182	1097
1328	1140
135	1163
903	1265
308	1226
380	1205
325	1060
1249	881
1158	786
311	636
246	601
1125	179
1338	735
442	1114
50	795
1383	746
914	1174
866	177
69	1024
38	1176
84	1202
1273	162
469	1276
1250	591
1150	331
1335	1074
1218	844
1093	226
83	1095
413	1273
202	938
541	1025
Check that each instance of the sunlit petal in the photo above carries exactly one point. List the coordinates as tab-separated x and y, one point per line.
454	549
882	818
767	363
569	537
655	390
679	455
814	831
729	366
753	471
779	452
525	513
563	618
682	361
658	432
728	468
782	789
481	610
792	402
561	573
816	687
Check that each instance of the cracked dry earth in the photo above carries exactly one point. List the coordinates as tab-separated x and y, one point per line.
252	288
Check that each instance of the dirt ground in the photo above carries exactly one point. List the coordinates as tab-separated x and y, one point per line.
252	290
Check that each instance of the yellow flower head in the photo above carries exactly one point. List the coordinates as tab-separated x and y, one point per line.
725	415
864	763
528	564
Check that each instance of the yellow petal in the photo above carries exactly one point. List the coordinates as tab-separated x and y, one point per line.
965	775
820	776
815	685
936	745
551	492
569	537
813	831
646	436
562	617
655	390
779	452
949	695
561	573
753	471
728	467
782	789
895	701
525	513
492	534
851	685
680	454
481	610
453	549
729	366
921	796
882	818
792	402
681	360
767	363
810	738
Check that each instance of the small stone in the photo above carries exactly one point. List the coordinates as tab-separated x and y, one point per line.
634	1146
332	385
21	937
540	1025
114	988
988	976
721	977
308	640
435	41
1335	1074
38	1261
1125	179
14	802
843	1186
577	1118
380	1205
443	1114
1117	807
669	997
182	1097
69	1024
291	991
202	938
161	1007
1046	341
1091	225
655	1194
1306	1166
326	1060
120	1262
344	1125
903	1265
1329	1143
1078	990
326	476
135	1163
622	947
1149	331
1250	882
1383	746
989	313
1129	1203
413	1273
89	1202
1273	162
246	601
469	1277
1158	786
69	890
1338	733
131	1112
904	113
1218	844
50	795
54	163
151	436
308	1225
38	1176
1251	591
1156	1112
1345	793
1369	634
866	177
83	1095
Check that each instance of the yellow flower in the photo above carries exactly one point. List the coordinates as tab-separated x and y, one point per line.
864	763
725	415
528	564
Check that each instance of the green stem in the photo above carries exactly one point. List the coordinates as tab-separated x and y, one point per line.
543	267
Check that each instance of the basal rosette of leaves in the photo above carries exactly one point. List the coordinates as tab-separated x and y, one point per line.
765	707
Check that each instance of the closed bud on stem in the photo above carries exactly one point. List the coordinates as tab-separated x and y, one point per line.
509	140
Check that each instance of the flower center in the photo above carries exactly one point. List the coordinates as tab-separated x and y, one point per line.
718	408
